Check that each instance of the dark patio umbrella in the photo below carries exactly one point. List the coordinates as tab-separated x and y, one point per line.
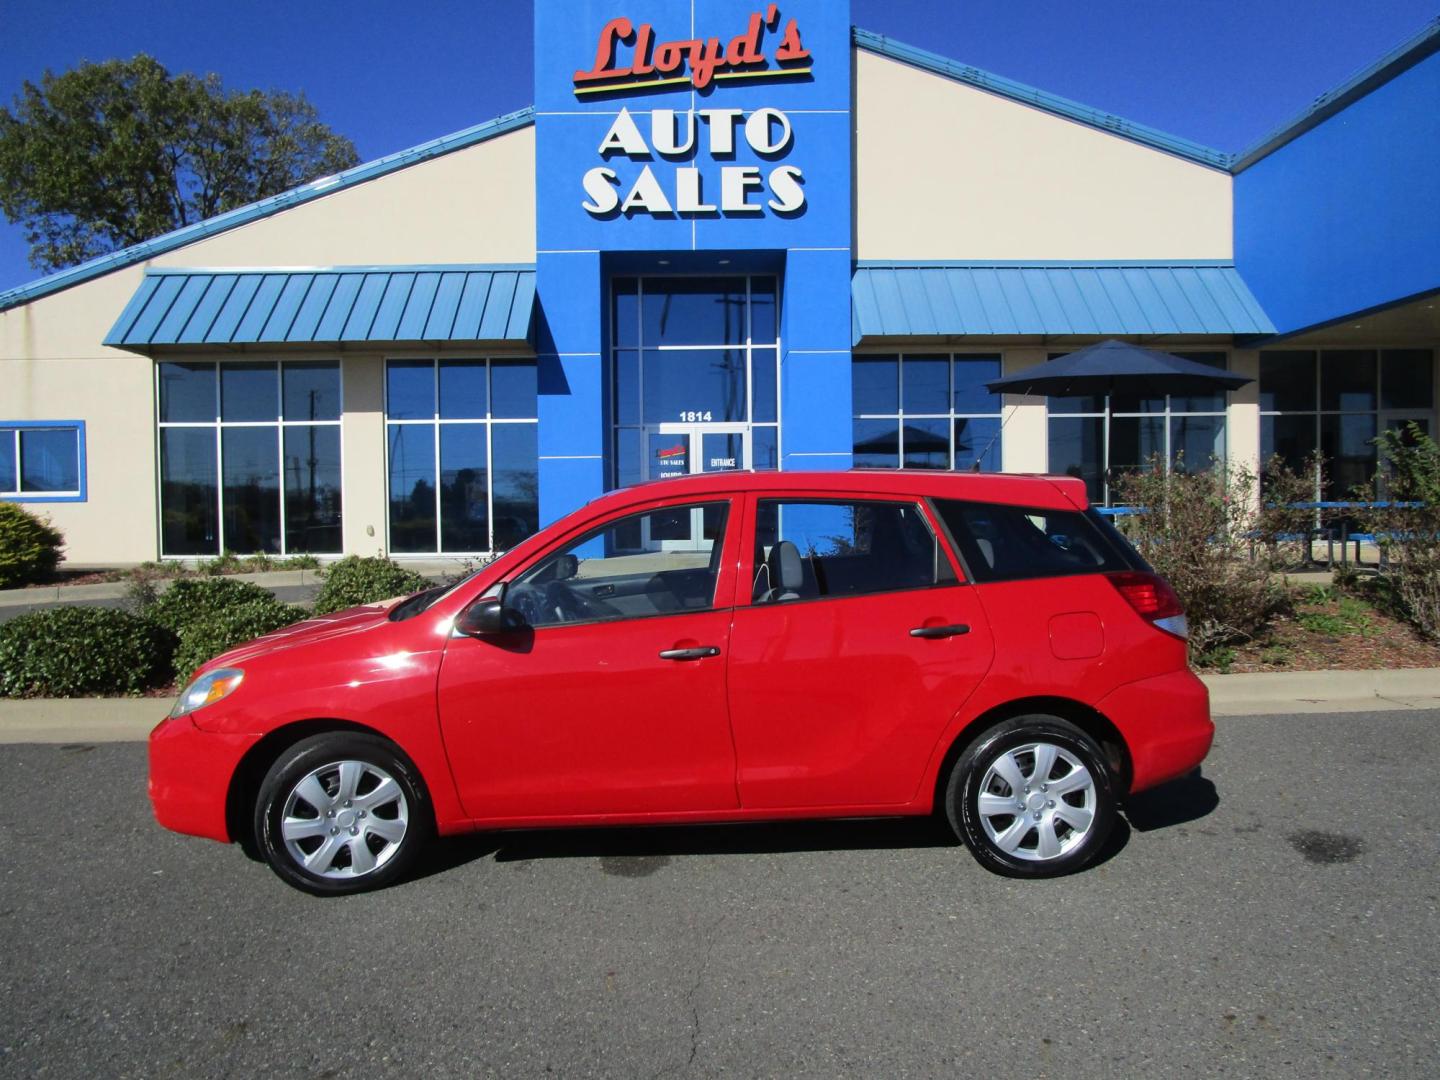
1114	366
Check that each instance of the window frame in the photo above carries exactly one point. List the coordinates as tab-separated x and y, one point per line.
79	494
951	356
1107	414
735	523
748	568
436	422
219	425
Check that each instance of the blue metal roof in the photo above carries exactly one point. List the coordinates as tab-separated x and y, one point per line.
1396	62
243	215
1040	99
343	304
1052	300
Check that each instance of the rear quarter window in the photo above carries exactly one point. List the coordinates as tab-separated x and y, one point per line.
1012	543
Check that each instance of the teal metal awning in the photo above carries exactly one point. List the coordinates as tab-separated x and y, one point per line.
334	306
1052	300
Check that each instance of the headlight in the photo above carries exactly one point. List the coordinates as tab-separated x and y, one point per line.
208	689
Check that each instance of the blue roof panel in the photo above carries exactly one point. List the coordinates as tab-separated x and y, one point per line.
328	306
1052	300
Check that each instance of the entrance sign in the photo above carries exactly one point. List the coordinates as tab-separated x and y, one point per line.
697	61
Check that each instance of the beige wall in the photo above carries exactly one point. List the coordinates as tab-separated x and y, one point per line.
947	171
472	206
1025	443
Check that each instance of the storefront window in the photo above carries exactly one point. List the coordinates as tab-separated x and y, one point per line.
694	358
463	454
249	457
1335	402
925	411
1098	437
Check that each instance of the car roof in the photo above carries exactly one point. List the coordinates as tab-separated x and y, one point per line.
1016	489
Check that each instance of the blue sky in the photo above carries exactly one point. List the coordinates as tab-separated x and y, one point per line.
388	75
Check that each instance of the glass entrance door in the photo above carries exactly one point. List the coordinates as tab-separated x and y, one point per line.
682	450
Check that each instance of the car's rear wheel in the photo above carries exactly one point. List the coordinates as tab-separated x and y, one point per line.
1032	797
341	813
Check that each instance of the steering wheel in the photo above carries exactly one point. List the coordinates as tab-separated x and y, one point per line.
564	604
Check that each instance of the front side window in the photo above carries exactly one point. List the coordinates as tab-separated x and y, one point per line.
43	462
1011	543
924	411
626	570
808	550
463	456
249	457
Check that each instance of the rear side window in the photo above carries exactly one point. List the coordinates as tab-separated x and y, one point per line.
1010	543
808	550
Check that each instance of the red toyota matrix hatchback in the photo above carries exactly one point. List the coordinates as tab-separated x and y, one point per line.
727	647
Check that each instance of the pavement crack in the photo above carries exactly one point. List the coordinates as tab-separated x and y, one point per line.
701	967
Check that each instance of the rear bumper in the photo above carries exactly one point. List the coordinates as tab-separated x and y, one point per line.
1166	724
190	772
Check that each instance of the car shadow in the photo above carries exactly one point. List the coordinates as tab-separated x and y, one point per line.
1176	803
628	851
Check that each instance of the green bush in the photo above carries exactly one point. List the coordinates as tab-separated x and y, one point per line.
201	600
1195	529
1408	533
82	651
224	628
29	546
354	580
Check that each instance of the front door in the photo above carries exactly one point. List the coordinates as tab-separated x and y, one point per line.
611	700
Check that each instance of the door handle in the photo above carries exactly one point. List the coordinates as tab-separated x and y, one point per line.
689	654
953	630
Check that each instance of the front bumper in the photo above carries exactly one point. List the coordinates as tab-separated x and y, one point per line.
1166	724
190	774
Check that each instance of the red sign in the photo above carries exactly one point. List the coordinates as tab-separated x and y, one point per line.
697	61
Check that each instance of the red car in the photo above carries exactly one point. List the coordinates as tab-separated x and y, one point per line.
724	647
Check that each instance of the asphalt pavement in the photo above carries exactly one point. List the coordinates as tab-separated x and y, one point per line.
1277	916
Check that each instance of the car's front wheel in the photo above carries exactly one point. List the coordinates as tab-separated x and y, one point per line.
340	813
1032	797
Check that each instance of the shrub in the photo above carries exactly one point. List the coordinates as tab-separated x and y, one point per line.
1283	529
80	651
1408	535
199	600
29	546
355	580
1195	529
226	627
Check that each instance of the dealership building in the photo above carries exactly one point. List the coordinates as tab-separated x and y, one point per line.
726	235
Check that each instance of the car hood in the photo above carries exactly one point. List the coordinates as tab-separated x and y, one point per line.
311	631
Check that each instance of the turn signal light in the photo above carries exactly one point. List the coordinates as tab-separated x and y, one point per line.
1153	600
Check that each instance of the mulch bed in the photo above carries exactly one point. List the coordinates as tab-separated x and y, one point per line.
1333	631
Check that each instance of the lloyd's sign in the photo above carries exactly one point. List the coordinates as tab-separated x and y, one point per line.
666	142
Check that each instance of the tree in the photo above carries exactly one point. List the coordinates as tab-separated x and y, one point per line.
110	154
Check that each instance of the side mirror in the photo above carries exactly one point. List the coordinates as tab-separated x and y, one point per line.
489	617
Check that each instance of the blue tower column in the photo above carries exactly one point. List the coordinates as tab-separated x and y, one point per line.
570	355
815	398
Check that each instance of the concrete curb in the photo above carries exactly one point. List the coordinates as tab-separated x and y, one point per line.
1323	691
73	720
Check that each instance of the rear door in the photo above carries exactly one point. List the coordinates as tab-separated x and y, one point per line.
842	681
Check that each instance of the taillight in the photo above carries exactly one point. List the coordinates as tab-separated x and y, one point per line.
1153	600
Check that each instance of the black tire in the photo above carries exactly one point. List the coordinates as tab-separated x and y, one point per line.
391	824
1013	845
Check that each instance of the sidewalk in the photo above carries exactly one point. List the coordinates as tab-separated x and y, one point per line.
91	720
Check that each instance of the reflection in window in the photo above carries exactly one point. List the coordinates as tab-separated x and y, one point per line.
42	460
626	570
1098	438
923	411
1334	401
249	457
812	549
462	454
